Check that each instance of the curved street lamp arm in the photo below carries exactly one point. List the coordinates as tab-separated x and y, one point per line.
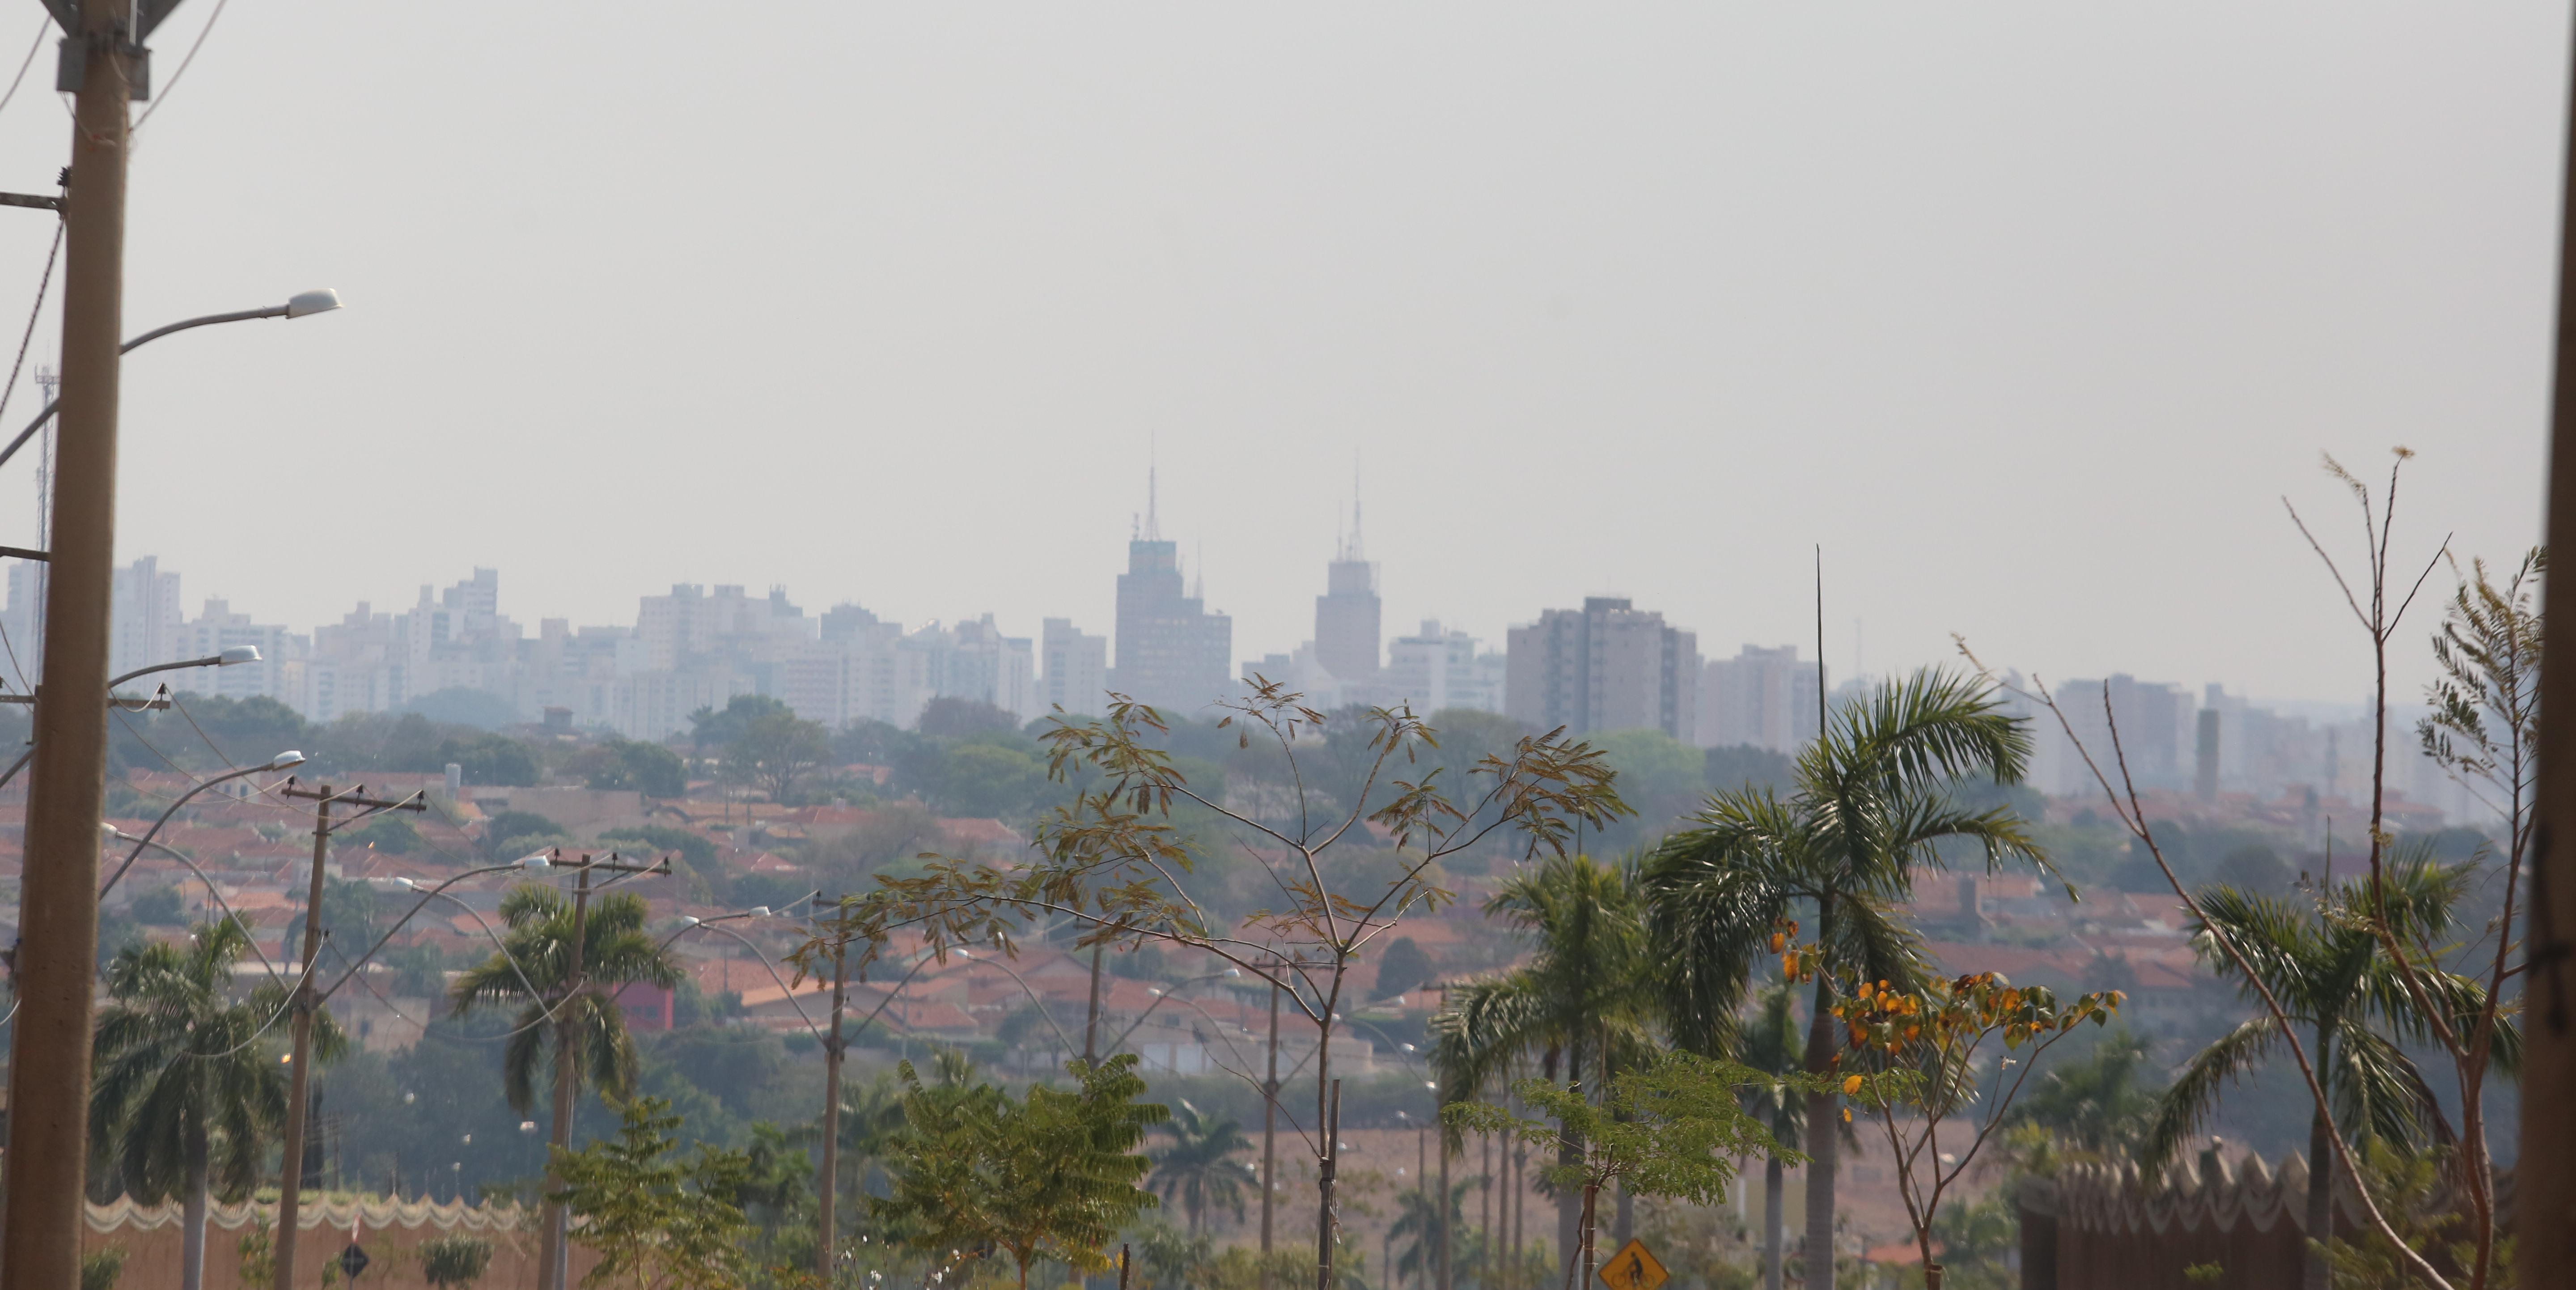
435	893
710	925
216	893
154	831
211	660
1034	997
273	311
1149	1009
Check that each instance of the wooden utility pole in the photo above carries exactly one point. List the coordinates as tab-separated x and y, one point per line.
299	1084
554	1254
833	1049
2547	1164
104	63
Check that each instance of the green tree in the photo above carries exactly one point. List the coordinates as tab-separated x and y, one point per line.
1659	775
1116	866
186	1088
1673	1127
956	718
616	951
102	1269
983	780
1871	806
497	760
1770	1046
648	768
1198	1166
1585	997
457	1260
776	751
2099	1107
1049	1177
658	1223
159	907
521	827
2321	960
392	833
1401	968
1422	1226
718	727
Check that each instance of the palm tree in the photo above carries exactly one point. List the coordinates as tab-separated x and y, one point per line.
616	951
1200	1166
1770	1045
2322	960
186	1089
1584	1002
2096	1108
1421	1228
1871	805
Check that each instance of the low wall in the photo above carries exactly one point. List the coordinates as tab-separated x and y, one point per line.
389	1231
2097	1227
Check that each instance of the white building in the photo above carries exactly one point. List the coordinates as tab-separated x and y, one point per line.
1076	669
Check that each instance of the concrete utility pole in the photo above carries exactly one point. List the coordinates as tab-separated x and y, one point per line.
1270	1127
2547	1164
299	1084
104	63
834	1047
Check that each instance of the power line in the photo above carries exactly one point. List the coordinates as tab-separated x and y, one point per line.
173	83
41	28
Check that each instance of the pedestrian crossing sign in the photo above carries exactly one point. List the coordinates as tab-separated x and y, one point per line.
1633	1268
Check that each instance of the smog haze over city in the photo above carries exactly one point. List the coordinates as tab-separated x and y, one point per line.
1369	647
2029	317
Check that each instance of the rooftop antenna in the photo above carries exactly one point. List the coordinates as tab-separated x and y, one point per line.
1198	569
1153	524
1820	642
1357	547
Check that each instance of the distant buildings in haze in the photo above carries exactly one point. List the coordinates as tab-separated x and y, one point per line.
1606	666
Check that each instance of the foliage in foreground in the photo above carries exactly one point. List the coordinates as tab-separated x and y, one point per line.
1050	1177
658	1223
1673	1128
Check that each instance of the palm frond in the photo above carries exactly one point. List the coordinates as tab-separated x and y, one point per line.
2193	1096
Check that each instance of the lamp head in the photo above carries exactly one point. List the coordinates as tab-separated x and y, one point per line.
238	654
538	861
760	911
689	920
312	302
406	884
288	760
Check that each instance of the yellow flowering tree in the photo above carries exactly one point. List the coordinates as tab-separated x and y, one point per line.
1956	1049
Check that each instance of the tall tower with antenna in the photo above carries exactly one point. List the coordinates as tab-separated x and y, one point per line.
1347	628
1172	653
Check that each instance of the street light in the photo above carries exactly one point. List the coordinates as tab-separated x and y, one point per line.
297	306
230	657
234	657
114	834
287	760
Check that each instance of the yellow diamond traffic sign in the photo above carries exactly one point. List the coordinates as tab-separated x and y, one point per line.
1633	1268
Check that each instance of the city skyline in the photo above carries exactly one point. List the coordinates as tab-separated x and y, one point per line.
974	347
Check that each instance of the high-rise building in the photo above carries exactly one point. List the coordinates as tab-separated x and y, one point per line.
1077	669
1606	666
1172	653
144	618
1346	615
1437	669
1762	697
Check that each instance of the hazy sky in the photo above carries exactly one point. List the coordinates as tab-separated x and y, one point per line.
2029	313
